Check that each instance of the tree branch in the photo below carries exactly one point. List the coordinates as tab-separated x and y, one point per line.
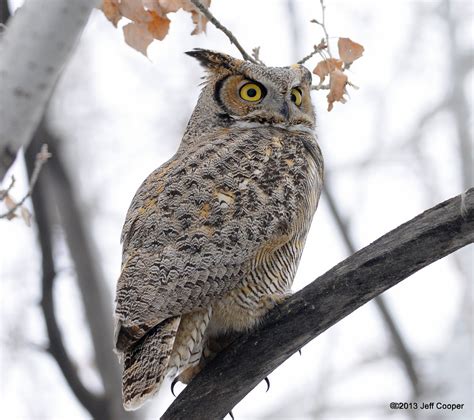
317	49
4	12
233	40
238	369
97	304
401	348
96	405
323	26
95	296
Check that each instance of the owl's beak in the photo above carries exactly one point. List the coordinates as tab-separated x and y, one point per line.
285	110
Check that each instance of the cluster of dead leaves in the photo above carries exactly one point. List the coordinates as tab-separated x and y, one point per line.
149	19
349	51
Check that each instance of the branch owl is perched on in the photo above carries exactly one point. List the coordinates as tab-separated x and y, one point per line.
213	237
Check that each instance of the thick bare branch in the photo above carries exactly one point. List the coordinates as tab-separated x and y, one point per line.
96	405
366	274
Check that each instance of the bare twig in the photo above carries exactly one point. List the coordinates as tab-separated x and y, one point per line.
349	83
323	25
320	87
317	49
400	253
233	40
256	55
41	158
4	193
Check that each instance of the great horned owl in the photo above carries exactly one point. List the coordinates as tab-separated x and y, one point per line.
213	237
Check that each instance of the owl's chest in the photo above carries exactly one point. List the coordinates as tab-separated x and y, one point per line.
266	285
276	170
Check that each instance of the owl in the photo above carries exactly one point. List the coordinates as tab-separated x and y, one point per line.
213	237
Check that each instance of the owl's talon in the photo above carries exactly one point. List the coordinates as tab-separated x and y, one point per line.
268	383
175	380
231	415
299	351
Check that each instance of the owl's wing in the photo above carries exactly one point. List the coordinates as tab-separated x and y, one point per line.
198	224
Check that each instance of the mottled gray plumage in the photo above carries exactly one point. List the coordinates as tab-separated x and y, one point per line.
213	238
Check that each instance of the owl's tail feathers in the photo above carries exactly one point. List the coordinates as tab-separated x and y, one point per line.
145	364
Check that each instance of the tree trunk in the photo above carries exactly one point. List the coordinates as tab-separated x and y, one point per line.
34	47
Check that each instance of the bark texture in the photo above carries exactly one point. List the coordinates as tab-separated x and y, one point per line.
34	47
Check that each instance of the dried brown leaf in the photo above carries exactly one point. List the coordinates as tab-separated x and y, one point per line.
189	7
133	10
200	21
154	5
337	88
171	6
324	67
149	18
9	202
26	215
159	26
349	51
111	11
138	36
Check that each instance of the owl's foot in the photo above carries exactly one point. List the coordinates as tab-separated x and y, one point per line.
268	383
274	299
186	376
175	380
268	387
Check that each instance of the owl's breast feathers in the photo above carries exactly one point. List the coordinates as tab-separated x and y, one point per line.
203	221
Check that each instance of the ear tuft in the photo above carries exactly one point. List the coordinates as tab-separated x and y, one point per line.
214	60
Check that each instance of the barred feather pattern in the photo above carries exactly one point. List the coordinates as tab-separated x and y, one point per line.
145	365
188	345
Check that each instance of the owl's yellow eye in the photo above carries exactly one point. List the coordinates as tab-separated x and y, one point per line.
296	96
251	92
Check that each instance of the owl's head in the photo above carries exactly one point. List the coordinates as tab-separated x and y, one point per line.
245	94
